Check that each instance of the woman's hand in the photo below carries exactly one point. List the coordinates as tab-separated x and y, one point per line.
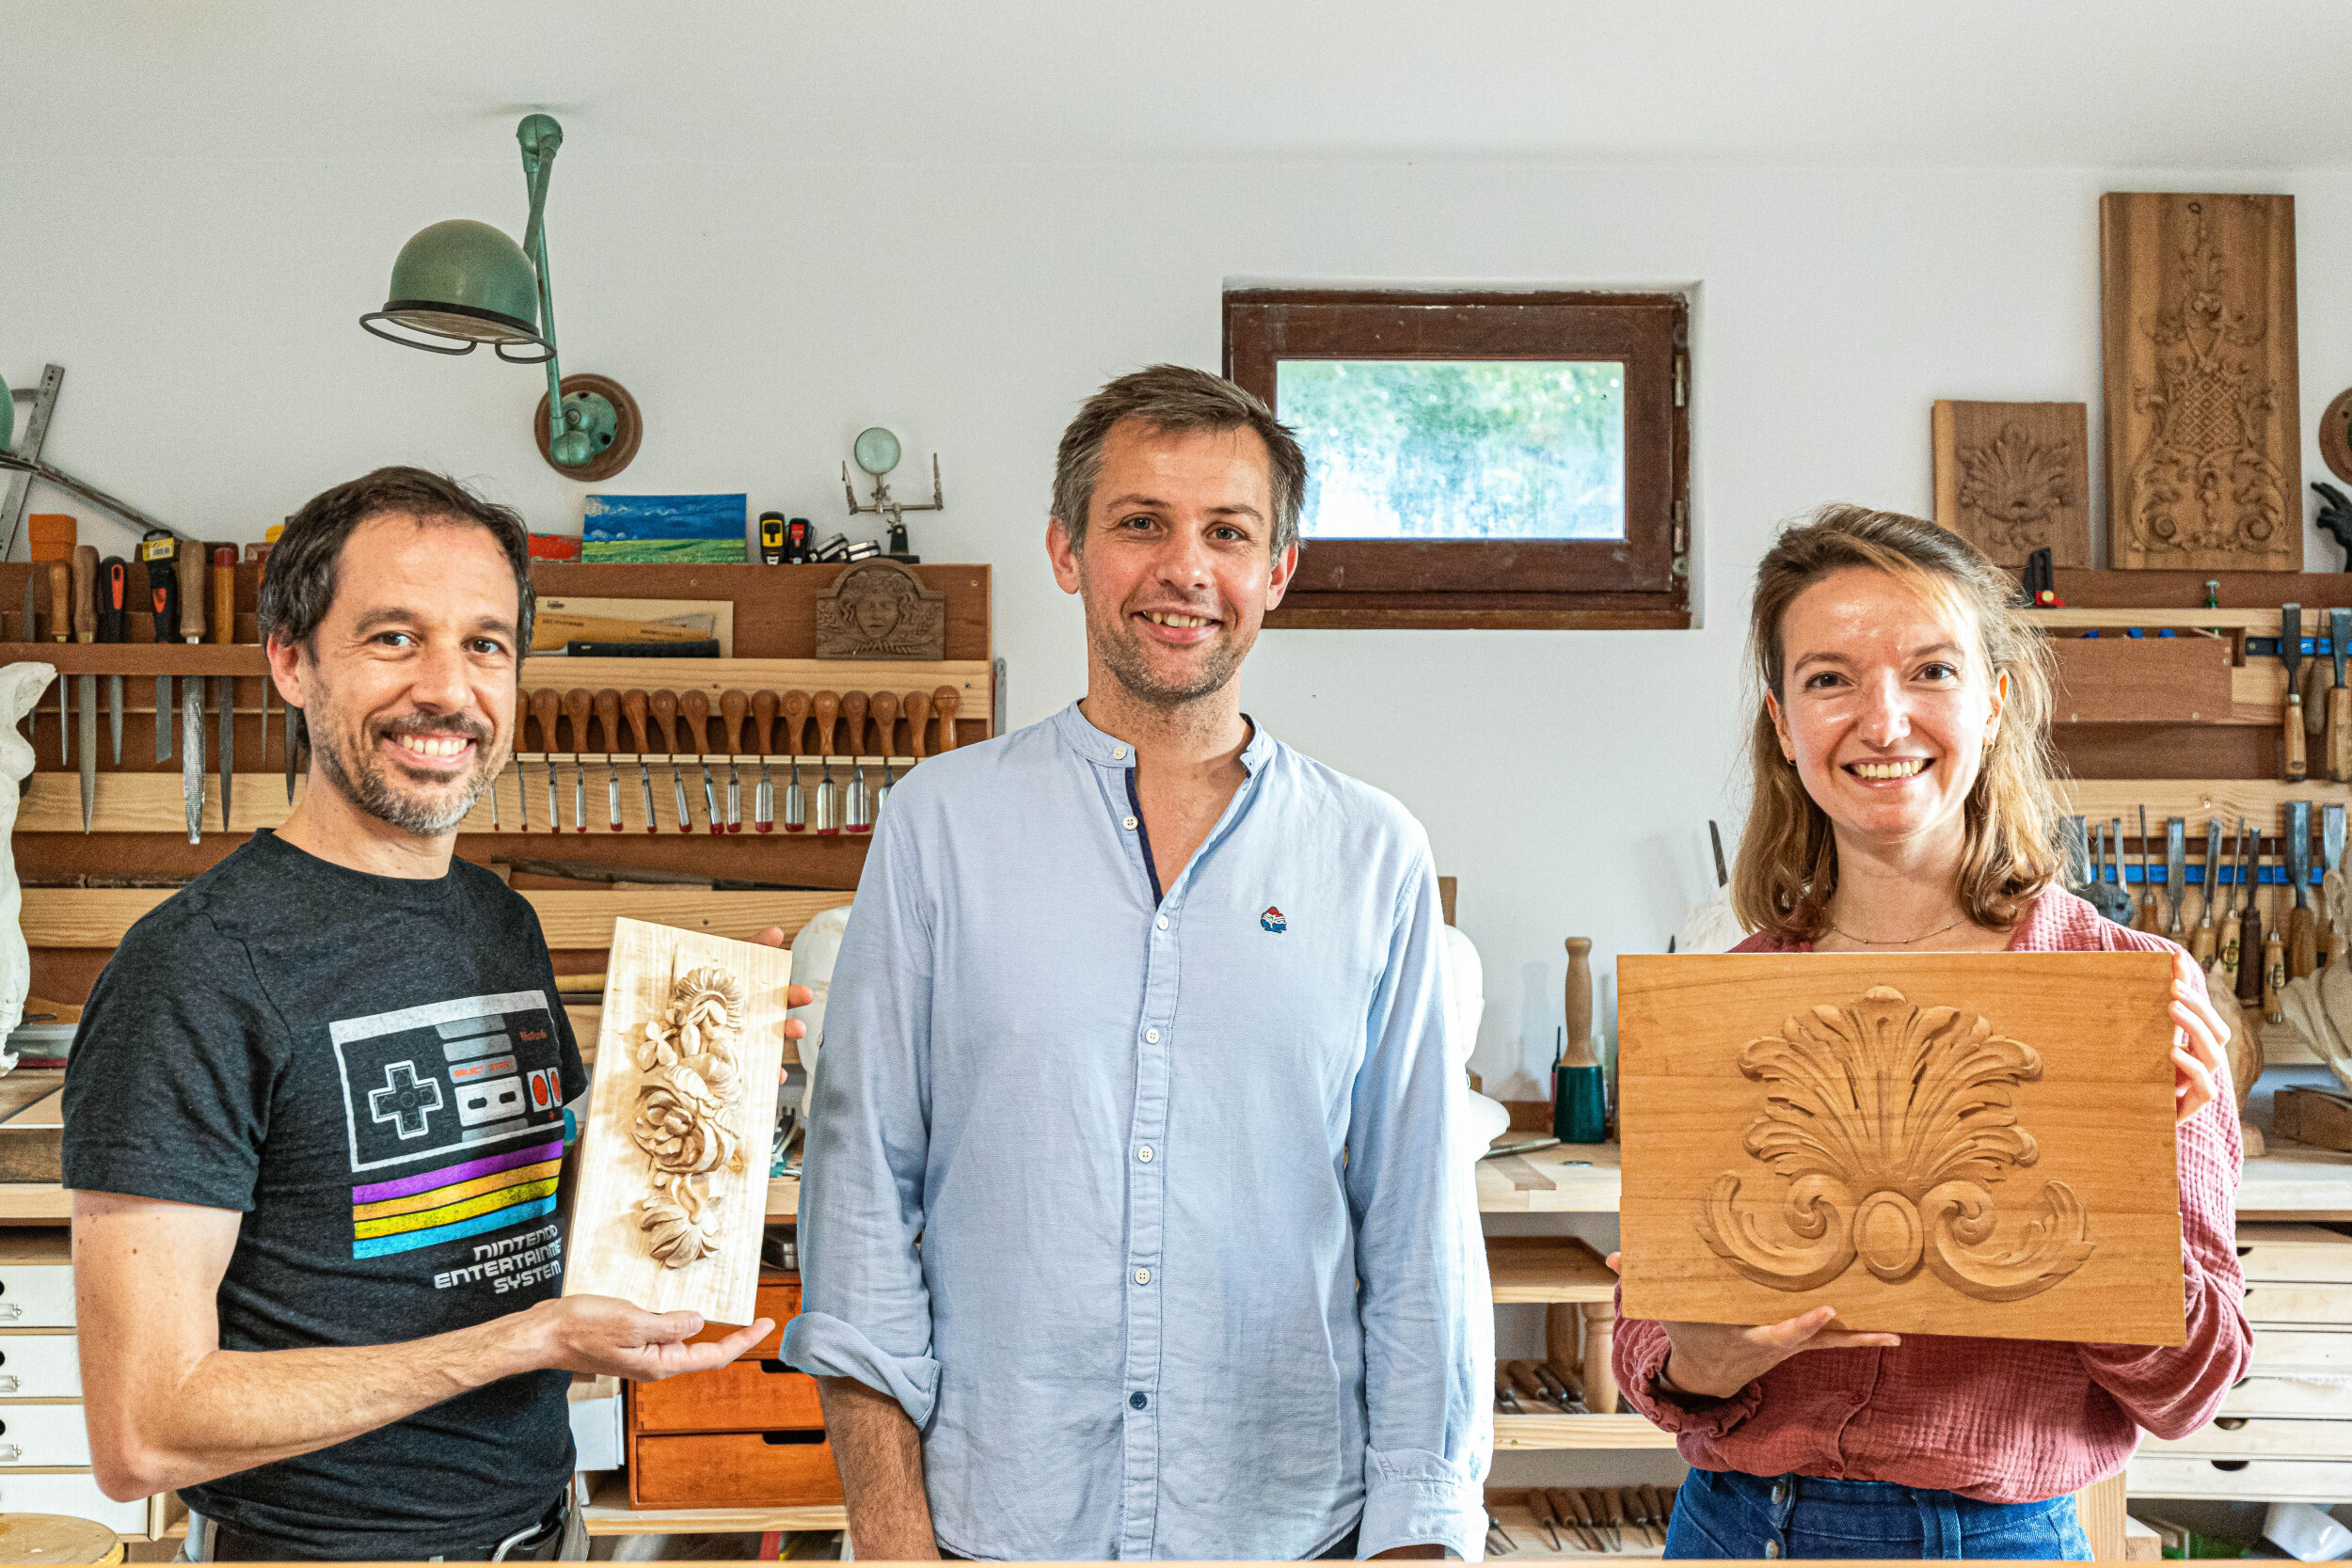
1714	1361
2200	1040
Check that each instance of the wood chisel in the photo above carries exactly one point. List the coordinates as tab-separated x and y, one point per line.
764	796
1506	1398
694	708
1567	1399
795	803
2249	922
2225	932
546	708
1539	1506
1526	1382
1496	1532
917	708
2274	978
85	585
225	630
2331	849
157	553
114	600
2339	700
665	716
2111	902
2291	655
2302	940
577	703
828	706
944	702
609	720
32	605
734	707
1662	1507
858	814
633	707
1715	841
2175	869
2201	940
1608	1517
61	575
190	564
2148	919
886	720
1573	1510
2123	893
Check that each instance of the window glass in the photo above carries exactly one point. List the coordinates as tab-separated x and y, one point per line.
1458	449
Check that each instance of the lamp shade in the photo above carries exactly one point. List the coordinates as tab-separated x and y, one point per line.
467	282
7	416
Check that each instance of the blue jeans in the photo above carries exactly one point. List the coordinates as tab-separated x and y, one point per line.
1723	1513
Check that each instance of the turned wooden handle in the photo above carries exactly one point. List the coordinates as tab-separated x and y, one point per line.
1600	1377
763	718
86	592
734	707
854	706
918	711
693	707
945	701
1577	1050
2291	738
61	602
546	705
577	703
190	563
2302	944
2340	734
886	719
2274	976
609	716
633	704
828	707
795	714
224	594
665	715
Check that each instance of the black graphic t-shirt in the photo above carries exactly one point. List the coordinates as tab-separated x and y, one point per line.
373	1070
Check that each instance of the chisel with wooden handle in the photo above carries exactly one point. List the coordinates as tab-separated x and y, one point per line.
2175	869
2249	928
2225	932
2147	918
694	707
114	602
944	702
2339	745
763	798
225	630
579	703
2291	655
633	705
609	719
2201	940
795	803
86	686
1610	1517
157	554
2302	940
828	706
887	720
1540	1507
547	709
665	715
734	707
2331	850
918	712
858	816
60	575
189	564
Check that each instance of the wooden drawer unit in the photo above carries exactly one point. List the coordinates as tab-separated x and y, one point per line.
2262	1437
2318	1397
36	1280
2318	1305
2296	1254
42	1435
40	1366
2313	1481
2293	1349
736	1470
748	1434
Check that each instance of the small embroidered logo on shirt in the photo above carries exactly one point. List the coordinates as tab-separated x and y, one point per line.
1272	920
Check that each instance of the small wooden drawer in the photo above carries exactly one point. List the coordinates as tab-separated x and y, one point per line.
2294	1253
76	1494
734	1469
2262	1437
2319	1396
42	1436
36	1281
741	1396
778	1303
40	1366
2315	1481
2316	1304
2310	1350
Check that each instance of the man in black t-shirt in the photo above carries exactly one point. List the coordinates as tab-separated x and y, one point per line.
315	1111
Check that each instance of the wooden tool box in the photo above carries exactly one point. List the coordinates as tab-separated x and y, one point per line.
746	1435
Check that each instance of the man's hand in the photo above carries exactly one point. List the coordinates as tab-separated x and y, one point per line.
1714	1361
606	1336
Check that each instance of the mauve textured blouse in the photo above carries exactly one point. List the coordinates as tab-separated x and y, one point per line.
2000	1420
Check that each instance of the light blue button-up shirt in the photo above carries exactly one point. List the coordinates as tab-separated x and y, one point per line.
1200	1272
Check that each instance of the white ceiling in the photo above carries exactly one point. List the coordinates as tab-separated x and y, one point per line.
2115	84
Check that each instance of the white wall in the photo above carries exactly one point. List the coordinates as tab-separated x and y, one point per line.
205	312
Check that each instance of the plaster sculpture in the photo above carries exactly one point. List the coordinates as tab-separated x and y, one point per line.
813	953
1891	1123
689	1057
2319	1005
21	686
1483	1120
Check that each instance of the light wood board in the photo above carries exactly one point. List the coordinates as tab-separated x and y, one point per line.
1907	1116
608	1256
570	618
2204	448
2013	477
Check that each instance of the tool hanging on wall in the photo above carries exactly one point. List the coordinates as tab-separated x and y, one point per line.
190	564
694	708
734	707
795	805
2302	938
2147	919
859	817
887	720
2339	742
2227	935
579	703
2250	929
665	719
85	575
60	575
2175	870
157	557
764	796
633	703
114	600
2331	848
546	708
609	720
2200	941
225	630
947	702
828	706
2291	655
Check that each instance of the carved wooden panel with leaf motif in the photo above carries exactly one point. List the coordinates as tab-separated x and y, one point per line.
1961	1143
2013	477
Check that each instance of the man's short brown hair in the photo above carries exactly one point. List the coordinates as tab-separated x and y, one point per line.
1175	398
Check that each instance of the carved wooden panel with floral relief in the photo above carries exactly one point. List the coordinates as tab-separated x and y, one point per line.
1969	1143
2204	437
2013	477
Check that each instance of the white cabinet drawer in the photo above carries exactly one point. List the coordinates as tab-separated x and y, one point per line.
75	1494
2275	1437
2313	1481
2316	1350
43	1436
2317	1305
40	1366
35	1295
2296	1253
2319	1396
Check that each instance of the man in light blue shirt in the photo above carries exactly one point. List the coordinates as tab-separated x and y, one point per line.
1132	1223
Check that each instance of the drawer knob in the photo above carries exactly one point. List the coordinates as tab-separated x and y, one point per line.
10	1310
10	1453
8	1385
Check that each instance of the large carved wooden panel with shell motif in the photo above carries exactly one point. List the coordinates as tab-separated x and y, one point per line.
1963	1143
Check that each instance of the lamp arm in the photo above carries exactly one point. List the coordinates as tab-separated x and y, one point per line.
538	163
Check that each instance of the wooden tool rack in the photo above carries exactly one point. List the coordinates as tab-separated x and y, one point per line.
83	891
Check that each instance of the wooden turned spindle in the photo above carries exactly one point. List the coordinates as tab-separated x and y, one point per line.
918	712
947	700
887	720
794	716
546	706
665	717
854	706
763	720
579	703
694	709
734	707
828	708
633	706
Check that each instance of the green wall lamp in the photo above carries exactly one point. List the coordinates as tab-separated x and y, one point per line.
459	284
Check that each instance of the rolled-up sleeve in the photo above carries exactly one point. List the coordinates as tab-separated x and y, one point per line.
865	1310
1420	1260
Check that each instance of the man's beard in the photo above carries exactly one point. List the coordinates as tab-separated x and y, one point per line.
363	778
1122	652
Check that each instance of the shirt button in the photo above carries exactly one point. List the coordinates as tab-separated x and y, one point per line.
1151	1037
1128	823
1780	1492
1163	923
1144	1154
1119	753
1771	1548
1138	1400
1143	1276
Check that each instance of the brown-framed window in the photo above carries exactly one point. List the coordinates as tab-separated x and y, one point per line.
1501	460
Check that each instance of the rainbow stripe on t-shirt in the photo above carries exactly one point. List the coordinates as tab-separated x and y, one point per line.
455	1201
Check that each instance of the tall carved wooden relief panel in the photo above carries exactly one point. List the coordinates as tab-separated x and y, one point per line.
1975	1144
2013	477
2203	444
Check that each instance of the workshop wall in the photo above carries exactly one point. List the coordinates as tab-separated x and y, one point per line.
206	311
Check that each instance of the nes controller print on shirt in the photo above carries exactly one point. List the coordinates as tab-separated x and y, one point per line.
456	1117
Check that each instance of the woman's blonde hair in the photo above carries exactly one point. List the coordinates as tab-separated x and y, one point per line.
1787	866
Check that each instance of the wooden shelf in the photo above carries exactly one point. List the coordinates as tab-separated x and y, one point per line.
1547	1269
1567	1179
607	1514
2262	801
1579	1431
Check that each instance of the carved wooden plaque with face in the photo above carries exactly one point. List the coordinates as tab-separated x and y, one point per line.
1962	1143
